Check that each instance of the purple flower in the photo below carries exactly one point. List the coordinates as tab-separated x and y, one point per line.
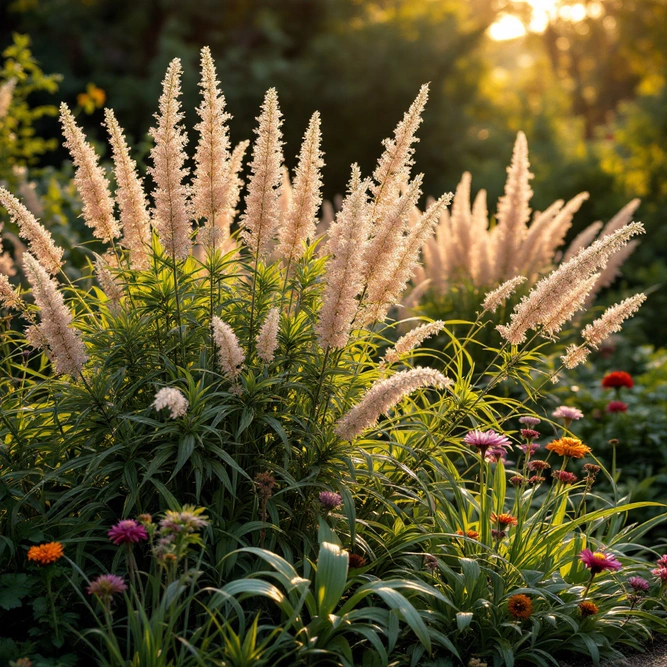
529	449
127	531
567	413
529	421
330	500
598	561
484	440
529	434
106	586
638	584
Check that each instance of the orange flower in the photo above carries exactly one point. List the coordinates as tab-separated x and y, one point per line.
520	606
472	534
46	553
588	608
503	519
570	447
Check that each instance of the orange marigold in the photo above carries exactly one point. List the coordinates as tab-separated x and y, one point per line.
520	606
503	519
472	534
570	447
588	608
46	553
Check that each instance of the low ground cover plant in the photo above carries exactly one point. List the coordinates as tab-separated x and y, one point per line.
217	450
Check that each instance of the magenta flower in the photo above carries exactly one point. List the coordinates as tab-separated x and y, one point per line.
638	584
529	434
484	440
496	454
617	406
127	531
567	413
564	476
529	421
598	561
330	500
106	586
529	449
660	573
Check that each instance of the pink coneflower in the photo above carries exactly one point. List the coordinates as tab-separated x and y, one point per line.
484	440
127	531
660	573
106	586
568	413
564	476
617	406
638	584
330	500
597	561
529	434
529	449
529	421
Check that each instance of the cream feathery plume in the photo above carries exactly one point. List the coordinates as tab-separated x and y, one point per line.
301	218
134	217
558	228
530	252
109	283
262	214
383	396
68	353
285	199
461	222
394	165
6	96
622	218
230	352
513	209
582	240
39	238
410	303
211	179
172	398
348	238
613	268
412	339
172	206
571	302
385	291
550	292
7	266
480	214
9	297
575	355
611	320
498	296
91	181
267	340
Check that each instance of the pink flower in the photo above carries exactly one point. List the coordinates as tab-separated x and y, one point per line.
529	434
330	500
529	421
496	454
564	476
660	573
638	584
106	586
662	561
483	440
127	531
598	561
530	449
567	413
617	406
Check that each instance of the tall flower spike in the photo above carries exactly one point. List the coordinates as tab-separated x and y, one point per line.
262	213
9	297
393	167
348	237
172	207
575	355
267	340
130	196
582	240
109	283
412	339
611	320
550	292
211	181
39	238
383	396
91	181
301	218
513	209
6	96
498	296
230	352
68	352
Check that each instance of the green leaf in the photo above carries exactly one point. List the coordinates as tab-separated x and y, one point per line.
13	587
331	577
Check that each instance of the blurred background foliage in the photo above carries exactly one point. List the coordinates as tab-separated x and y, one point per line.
584	79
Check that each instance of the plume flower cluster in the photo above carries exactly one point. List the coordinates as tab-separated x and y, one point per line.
267	340
6	96
172	398
230	352
413	339
91	181
384	395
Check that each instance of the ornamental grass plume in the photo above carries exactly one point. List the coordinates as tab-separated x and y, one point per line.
574	356
132	204
6	96
40	241
300	219
45	554
9	297
267	340
412	339
91	181
383	396
171	216
65	347
172	398
262	214
498	296
230	352
611	320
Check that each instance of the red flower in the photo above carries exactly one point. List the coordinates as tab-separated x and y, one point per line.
617	406
617	379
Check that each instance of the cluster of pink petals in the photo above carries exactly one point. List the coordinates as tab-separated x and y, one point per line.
529	434
127	531
564	476
529	421
598	561
106	586
617	406
567	412
330	500
530	448
638	584
485	440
